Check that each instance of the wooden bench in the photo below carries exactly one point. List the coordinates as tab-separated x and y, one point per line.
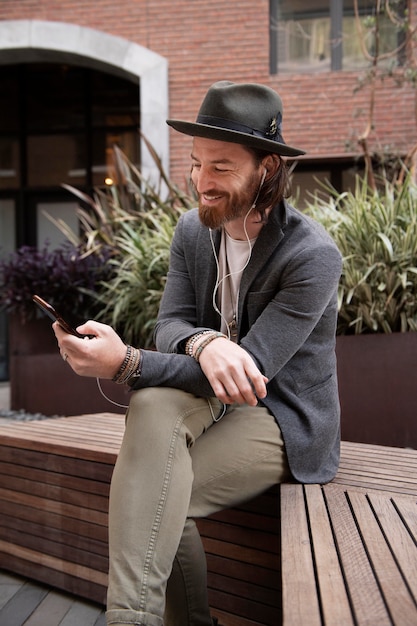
54	486
349	548
54	482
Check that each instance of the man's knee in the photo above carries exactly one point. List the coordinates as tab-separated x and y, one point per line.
156	408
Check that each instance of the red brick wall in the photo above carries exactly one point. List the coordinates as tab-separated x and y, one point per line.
205	41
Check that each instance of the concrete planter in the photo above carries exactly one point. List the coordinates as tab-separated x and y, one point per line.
377	383
378	391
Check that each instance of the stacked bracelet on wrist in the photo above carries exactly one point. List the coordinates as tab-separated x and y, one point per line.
189	346
205	342
131	366
210	335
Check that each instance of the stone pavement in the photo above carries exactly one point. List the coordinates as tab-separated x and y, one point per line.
27	603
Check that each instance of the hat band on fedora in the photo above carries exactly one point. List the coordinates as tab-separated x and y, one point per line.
273	132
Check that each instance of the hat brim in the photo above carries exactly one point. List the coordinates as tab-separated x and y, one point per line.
223	134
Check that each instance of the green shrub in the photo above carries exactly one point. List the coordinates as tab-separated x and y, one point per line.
376	232
135	221
131	298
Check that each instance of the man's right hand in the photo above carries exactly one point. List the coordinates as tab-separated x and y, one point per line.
232	373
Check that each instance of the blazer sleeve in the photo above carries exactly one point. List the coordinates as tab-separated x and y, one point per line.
172	370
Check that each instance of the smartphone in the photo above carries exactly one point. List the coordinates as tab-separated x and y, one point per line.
55	316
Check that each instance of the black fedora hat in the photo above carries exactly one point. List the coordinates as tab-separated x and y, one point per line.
244	113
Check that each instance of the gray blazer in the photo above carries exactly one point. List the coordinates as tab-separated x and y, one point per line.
287	315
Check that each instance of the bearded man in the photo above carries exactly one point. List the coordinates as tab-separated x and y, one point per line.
241	393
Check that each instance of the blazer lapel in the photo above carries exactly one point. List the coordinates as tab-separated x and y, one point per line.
206	276
267	241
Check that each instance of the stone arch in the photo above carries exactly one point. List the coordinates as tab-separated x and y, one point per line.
25	41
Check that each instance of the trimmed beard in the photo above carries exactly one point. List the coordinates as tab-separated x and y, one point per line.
238	204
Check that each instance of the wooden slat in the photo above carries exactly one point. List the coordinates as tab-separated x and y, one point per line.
228	619
56	493
239	570
58	508
58	465
239	553
31	531
29	475
53	563
252	538
332	590
397	597
238	587
46	519
299	593
407	509
243	561
366	600
399	537
363	555
55	435
247	607
381	468
262	520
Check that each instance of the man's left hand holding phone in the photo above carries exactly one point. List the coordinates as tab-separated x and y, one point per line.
99	358
49	310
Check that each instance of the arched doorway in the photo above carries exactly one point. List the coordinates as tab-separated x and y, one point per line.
68	94
58	124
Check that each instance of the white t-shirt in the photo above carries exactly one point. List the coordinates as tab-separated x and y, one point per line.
234	255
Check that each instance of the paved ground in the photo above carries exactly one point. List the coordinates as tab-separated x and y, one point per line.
26	603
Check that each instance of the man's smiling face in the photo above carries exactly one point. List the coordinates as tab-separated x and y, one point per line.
226	179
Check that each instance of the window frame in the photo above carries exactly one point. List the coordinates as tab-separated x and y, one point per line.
336	14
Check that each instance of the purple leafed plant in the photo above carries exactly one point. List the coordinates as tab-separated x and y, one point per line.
64	277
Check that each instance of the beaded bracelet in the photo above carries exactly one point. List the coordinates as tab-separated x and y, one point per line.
134	358
129	367
136	373
203	344
124	364
189	346
133	367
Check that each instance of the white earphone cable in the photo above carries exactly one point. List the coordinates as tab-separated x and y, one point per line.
219	280
122	406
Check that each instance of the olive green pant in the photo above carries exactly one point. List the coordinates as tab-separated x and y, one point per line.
177	463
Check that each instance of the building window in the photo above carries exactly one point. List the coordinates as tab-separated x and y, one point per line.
58	125
322	35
